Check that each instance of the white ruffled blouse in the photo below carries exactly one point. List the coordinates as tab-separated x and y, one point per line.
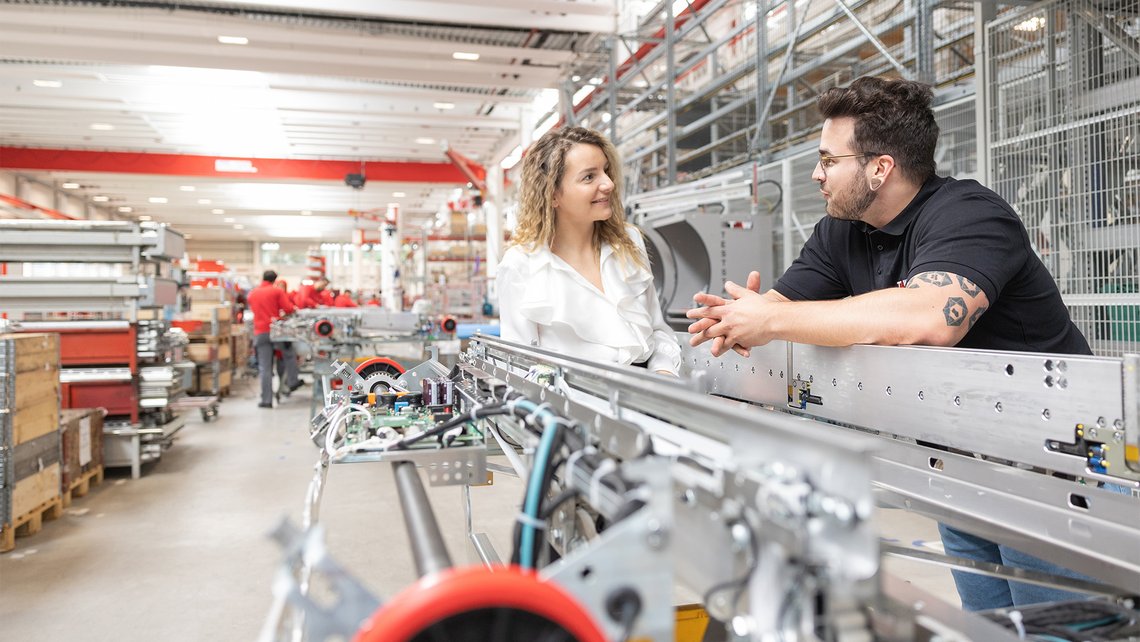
545	302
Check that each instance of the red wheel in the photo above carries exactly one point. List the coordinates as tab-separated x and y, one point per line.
468	604
447	324
379	373
324	328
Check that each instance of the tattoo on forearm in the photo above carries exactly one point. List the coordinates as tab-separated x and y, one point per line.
968	286
955	311
976	315
941	279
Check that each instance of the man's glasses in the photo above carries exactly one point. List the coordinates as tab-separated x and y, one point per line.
827	162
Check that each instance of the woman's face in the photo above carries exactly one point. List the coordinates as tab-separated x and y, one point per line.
585	192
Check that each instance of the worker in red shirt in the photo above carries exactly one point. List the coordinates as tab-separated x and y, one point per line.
322	293
269	303
344	300
374	301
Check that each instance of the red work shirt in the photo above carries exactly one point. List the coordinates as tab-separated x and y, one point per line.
267	303
305	297
344	301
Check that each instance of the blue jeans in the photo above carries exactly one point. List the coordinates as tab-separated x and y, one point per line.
980	593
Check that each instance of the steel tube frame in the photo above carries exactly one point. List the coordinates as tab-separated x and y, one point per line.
428	550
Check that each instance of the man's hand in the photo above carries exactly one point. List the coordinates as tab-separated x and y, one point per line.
710	315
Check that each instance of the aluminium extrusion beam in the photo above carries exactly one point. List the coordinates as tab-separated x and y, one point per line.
74	294
999	404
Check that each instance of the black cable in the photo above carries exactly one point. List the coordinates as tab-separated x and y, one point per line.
454	422
740	582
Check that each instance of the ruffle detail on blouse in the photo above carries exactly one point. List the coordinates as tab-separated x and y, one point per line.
618	319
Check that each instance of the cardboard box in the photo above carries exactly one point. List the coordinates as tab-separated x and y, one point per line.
81	443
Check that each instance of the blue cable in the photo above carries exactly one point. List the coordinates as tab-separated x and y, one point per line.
534	486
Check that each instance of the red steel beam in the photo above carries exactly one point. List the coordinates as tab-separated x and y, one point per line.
24	205
26	158
474	172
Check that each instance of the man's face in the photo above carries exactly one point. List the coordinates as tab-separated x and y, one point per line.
841	175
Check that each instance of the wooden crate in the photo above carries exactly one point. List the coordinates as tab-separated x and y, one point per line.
35	470
81	443
30	388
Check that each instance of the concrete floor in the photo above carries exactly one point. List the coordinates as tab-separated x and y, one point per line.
182	553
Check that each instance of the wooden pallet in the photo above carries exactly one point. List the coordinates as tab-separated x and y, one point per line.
30	523
81	486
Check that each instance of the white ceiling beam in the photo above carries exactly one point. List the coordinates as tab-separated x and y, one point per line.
111	23
72	47
595	16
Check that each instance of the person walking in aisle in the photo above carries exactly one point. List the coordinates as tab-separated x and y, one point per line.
269	303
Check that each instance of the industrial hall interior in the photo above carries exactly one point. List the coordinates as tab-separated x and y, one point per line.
570	320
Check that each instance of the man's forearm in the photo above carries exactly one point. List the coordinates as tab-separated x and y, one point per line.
883	317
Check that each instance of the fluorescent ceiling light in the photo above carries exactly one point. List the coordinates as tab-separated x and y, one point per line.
144	217
443	105
575	78
545	126
233	40
157	199
203	201
239	226
425	141
463	55
187	188
271	246
399	194
52	84
102	127
513	158
70	186
306	213
228	220
217	211
100	199
126	209
596	80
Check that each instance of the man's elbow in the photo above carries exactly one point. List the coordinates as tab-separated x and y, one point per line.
921	334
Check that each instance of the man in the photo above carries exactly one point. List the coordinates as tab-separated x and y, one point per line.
269	303
904	257
343	299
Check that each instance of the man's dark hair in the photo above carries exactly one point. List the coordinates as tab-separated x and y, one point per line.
269	275
891	117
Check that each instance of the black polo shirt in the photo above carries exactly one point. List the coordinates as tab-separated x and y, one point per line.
951	226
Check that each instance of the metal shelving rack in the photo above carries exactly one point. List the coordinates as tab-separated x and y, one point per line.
681	95
135	262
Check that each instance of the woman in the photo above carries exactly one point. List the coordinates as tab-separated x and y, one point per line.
576	278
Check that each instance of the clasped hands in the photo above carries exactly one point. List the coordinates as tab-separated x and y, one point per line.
735	323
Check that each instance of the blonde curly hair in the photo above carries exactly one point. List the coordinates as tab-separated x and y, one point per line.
542	173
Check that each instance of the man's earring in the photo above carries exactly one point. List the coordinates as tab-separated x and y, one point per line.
876	183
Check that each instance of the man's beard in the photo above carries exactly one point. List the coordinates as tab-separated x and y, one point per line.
854	204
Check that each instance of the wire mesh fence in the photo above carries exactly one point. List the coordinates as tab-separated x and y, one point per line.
1062	100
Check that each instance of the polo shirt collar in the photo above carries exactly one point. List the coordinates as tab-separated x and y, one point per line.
899	224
